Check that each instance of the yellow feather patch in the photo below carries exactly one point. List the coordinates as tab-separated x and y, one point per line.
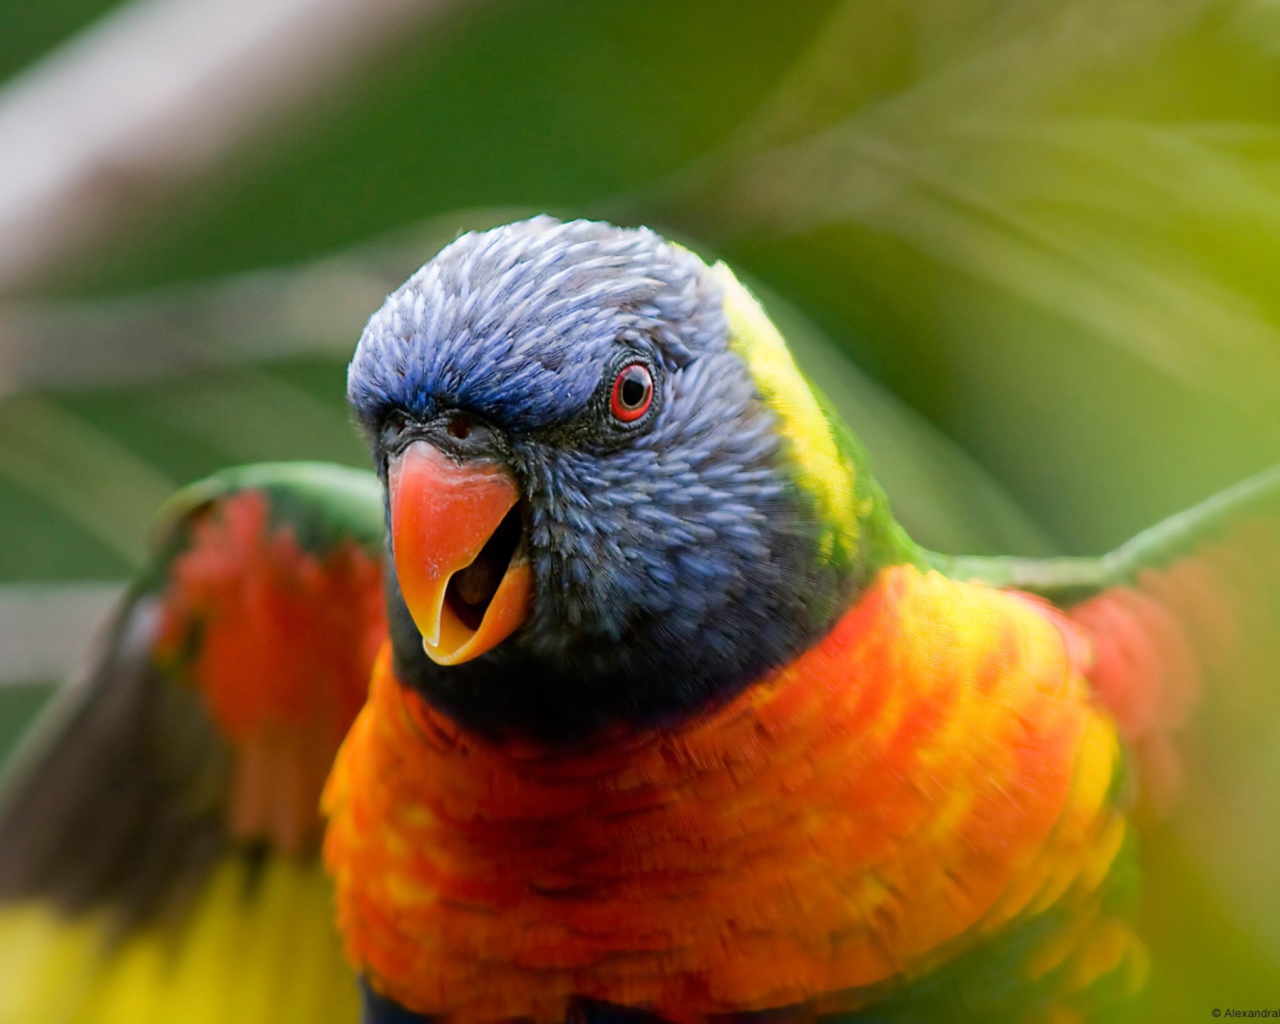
250	952
821	468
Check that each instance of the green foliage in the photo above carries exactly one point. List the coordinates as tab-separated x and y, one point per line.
28	30
554	104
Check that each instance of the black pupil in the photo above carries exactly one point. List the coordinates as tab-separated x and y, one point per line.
634	388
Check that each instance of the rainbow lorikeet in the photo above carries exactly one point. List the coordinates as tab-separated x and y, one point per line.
669	719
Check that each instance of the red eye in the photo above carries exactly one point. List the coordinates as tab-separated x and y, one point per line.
632	393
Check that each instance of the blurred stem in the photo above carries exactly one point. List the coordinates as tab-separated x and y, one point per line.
158	92
319	307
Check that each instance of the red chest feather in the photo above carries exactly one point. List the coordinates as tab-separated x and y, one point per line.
931	771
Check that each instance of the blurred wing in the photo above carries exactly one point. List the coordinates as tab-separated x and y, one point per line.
1187	609
158	831
1184	623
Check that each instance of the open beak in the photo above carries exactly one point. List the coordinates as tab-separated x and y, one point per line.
456	536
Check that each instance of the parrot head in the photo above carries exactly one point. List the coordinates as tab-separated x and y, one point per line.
611	496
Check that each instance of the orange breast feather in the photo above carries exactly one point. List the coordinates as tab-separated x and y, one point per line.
933	770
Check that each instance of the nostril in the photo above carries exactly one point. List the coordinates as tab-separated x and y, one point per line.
459	428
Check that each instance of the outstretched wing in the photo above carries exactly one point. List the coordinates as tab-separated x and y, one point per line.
1188	608
1184	626
158	830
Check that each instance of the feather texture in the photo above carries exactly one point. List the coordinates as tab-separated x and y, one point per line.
928	776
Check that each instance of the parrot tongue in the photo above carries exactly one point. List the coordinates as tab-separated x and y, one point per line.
455	534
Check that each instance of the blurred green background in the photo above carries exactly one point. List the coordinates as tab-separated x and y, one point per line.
1031	248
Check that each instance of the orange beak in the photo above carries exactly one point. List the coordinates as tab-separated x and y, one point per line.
456	539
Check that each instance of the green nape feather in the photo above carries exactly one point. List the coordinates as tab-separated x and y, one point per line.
831	466
828	463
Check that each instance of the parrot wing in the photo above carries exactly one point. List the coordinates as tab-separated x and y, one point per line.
1184	625
1183	618
1182	631
159	828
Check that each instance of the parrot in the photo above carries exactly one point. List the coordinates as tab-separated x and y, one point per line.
614	692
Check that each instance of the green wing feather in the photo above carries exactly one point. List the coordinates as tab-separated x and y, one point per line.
1069	580
323	502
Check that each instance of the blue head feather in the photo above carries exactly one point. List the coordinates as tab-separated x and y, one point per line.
674	560
520	321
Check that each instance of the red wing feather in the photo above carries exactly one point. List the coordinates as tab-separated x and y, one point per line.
1201	630
279	642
